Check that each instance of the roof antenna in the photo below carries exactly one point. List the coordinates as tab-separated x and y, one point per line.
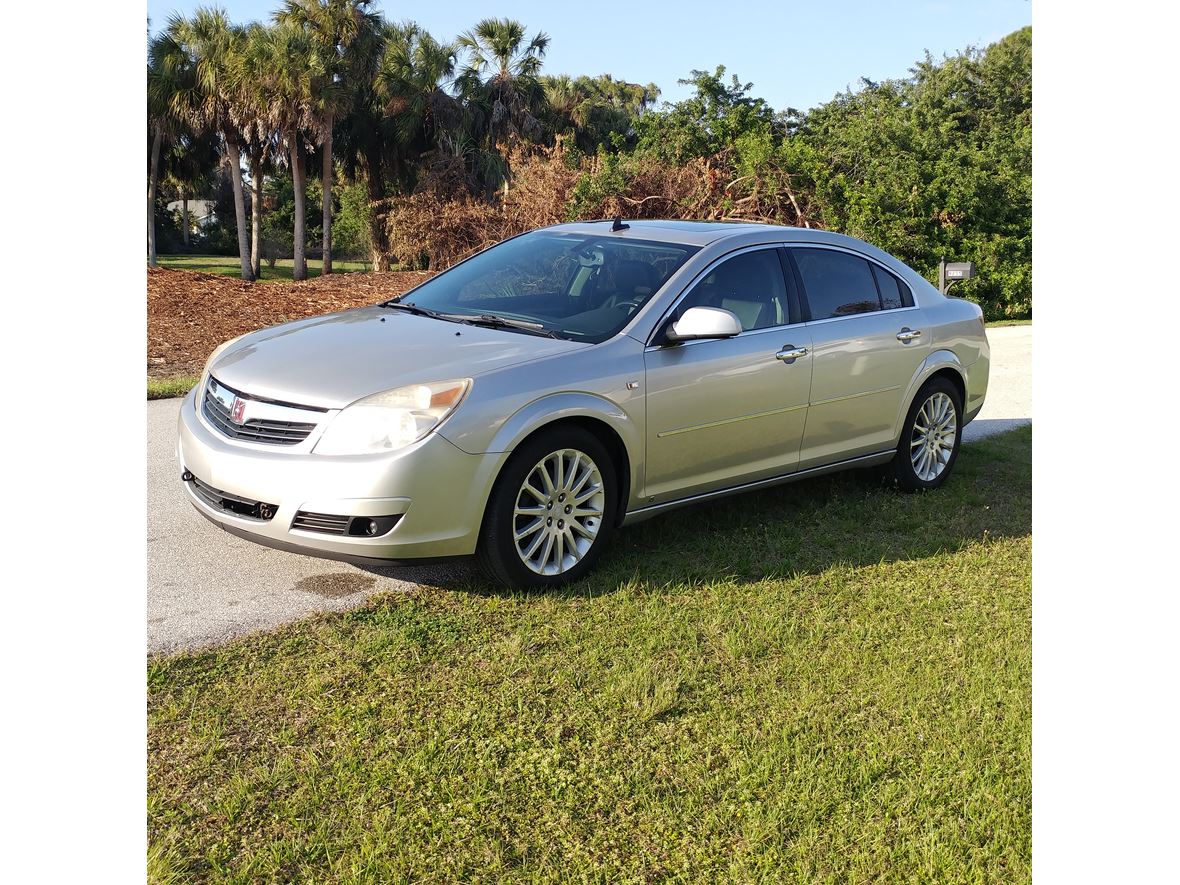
618	225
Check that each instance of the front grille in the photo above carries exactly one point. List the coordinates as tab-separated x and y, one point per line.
327	523
271	432
219	500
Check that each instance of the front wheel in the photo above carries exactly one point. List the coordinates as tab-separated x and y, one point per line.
551	511
930	437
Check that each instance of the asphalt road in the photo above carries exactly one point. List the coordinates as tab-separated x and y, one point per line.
206	586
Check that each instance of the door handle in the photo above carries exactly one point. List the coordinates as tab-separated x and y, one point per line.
790	353
908	334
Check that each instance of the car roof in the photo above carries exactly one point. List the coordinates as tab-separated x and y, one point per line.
719	237
703	233
694	233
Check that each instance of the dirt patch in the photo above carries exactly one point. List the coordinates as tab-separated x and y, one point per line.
336	585
189	313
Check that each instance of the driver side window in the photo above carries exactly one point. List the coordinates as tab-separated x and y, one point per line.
751	286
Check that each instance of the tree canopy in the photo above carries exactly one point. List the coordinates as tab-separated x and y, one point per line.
443	145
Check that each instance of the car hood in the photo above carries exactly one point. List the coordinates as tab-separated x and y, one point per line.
331	361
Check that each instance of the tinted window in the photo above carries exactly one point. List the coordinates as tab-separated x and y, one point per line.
837	284
890	286
581	287
751	286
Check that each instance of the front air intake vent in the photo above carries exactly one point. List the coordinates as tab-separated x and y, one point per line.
326	523
334	524
229	503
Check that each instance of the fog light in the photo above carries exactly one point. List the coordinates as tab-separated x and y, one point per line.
371	526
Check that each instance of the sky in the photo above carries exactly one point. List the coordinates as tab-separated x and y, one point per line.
797	54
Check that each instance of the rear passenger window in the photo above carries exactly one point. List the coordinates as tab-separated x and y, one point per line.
890	286
837	284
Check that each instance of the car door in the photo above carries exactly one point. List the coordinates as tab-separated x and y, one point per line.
721	412
868	342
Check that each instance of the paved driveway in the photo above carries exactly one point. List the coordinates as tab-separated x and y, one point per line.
206	586
1009	389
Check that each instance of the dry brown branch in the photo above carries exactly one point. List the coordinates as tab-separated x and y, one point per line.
445	221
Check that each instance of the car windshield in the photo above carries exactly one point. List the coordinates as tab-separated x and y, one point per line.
580	287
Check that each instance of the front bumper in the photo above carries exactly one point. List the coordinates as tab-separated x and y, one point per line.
438	491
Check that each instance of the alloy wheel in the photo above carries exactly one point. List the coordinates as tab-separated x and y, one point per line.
558	512
932	442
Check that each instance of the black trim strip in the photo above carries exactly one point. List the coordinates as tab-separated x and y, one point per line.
263	399
859	461
216	499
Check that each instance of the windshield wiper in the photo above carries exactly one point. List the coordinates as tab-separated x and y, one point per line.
486	319
498	322
410	307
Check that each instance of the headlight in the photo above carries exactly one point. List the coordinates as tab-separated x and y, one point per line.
391	420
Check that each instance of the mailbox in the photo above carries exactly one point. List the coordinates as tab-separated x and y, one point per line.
950	273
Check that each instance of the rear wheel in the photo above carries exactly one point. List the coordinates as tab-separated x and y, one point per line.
930	437
551	511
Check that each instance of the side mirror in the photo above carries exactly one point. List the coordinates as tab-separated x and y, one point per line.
704	322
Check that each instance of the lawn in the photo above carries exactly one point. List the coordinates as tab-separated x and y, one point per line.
825	682
231	266
176	385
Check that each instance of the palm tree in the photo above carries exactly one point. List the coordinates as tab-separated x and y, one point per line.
262	138
282	67
500	81
212	99
156	124
167	73
594	109
398	107
565	102
412	84
365	133
259	154
333	27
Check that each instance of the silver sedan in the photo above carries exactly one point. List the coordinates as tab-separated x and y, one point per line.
531	400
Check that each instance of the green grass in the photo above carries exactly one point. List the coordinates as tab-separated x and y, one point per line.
231	266
826	682
994	323
163	388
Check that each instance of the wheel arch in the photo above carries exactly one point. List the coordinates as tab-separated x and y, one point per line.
940	363
611	441
605	420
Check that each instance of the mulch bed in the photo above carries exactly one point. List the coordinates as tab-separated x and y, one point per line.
189	314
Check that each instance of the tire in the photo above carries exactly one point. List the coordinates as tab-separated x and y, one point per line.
586	523
930	438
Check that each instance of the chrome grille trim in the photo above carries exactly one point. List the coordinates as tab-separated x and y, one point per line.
275	425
